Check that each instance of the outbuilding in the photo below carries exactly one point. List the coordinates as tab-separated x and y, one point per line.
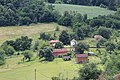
81	58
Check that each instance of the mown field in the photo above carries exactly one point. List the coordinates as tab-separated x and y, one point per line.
33	31
91	11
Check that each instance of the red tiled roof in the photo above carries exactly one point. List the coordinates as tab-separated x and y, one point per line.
60	50
81	55
54	41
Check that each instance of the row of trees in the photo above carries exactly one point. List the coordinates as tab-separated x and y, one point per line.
8	48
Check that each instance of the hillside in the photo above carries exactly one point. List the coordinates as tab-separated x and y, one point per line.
91	11
33	31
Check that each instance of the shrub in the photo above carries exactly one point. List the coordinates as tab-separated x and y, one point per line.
27	55
2	57
9	50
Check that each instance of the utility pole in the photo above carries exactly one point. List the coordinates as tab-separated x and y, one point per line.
35	74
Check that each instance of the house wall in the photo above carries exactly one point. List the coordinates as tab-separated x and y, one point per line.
80	60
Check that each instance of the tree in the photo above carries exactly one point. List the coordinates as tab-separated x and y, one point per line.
9	50
105	32
66	19
89	71
96	22
27	55
101	42
80	47
35	47
64	37
110	46
118	45
112	67
23	43
59	45
80	33
47	53
2	57
45	36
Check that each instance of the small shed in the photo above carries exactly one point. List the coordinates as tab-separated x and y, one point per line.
53	42
57	52
81	58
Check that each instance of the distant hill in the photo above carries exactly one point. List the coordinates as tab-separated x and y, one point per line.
91	11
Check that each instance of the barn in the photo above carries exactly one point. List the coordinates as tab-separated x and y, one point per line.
57	52
81	58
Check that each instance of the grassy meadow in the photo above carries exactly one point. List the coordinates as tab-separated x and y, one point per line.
45	71
33	31
25	71
91	11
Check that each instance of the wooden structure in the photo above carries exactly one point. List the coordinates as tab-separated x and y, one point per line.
81	58
57	52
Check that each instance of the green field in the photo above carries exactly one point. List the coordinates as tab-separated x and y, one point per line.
33	31
25	71
91	11
45	71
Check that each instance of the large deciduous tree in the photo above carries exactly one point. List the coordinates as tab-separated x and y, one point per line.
89	71
47	53
105	32
23	43
110	46
80	47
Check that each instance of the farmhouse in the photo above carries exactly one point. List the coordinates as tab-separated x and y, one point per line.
57	52
81	58
53	42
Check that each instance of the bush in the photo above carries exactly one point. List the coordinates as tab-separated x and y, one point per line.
103	6
2	57
27	55
9	50
57	28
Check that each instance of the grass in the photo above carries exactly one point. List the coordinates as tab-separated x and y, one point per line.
25	71
45	71
33	31
91	11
